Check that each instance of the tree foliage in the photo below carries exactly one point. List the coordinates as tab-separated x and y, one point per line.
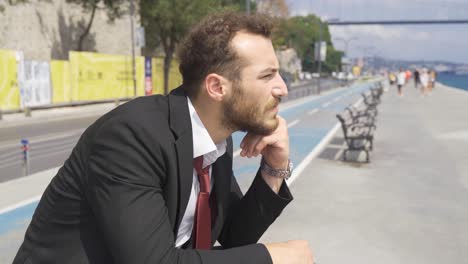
301	33
167	21
274	7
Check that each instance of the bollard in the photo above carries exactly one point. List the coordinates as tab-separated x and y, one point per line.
1	114
27	111
117	102
25	149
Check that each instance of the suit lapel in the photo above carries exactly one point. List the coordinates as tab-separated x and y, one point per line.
181	125
221	172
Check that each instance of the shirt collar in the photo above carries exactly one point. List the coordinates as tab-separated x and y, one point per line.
202	142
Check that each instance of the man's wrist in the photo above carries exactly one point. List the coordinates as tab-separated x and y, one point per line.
283	172
276	164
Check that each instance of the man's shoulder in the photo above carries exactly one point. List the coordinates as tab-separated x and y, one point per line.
143	115
142	109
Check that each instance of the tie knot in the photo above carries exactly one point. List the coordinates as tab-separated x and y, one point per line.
198	165
203	174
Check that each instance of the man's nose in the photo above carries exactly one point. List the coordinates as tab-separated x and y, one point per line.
280	89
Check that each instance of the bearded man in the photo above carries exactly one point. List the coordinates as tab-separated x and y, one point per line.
152	180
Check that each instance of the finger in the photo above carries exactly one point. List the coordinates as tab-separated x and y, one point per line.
250	147
247	142
262	143
247	138
260	146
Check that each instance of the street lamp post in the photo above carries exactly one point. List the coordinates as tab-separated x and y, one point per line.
346	42
319	55
366	50
247	5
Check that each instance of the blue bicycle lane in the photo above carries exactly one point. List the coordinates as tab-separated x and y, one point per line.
308	123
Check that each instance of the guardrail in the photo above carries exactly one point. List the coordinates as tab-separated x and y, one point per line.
311	88
117	101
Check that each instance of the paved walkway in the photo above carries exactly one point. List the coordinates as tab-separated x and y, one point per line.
409	205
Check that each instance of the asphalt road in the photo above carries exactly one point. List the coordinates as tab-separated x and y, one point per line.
50	144
10	135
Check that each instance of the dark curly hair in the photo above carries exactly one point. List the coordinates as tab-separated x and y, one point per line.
207	47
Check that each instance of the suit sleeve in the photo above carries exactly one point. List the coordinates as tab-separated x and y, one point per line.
126	173
251	215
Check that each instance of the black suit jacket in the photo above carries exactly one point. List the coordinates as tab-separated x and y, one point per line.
122	193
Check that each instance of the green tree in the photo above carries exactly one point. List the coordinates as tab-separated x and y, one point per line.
301	33
112	7
167	21
333	62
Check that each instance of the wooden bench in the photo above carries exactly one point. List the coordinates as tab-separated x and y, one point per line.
365	115
358	136
359	123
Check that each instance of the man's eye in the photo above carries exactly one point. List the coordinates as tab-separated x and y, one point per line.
267	76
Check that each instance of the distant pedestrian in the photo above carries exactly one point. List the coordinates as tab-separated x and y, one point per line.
408	75
392	78
401	80
417	81
424	78
432	80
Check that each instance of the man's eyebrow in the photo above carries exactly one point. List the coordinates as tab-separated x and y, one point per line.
268	70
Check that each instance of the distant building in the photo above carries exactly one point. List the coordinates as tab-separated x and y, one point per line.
289	61
442	68
346	64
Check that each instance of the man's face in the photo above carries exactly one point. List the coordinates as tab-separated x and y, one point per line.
252	104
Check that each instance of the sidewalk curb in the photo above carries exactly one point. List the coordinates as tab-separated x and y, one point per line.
40	181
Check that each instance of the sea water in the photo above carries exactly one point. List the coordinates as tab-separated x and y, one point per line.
453	80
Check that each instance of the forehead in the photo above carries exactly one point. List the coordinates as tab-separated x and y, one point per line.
256	50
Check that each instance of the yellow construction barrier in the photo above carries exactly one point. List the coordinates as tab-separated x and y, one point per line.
175	78
157	72
86	77
61	85
9	90
100	76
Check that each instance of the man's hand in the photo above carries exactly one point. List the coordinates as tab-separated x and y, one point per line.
290	252
274	148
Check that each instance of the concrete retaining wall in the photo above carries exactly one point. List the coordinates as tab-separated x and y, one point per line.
46	30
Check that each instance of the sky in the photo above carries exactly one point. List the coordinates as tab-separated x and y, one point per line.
407	42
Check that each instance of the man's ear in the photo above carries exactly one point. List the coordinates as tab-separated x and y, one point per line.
215	86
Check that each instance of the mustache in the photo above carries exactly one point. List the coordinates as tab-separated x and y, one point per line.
274	103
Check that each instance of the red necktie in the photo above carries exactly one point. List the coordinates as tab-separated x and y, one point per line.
202	227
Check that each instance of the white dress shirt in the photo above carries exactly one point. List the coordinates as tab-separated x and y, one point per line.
202	145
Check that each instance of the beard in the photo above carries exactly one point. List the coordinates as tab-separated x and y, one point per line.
247	115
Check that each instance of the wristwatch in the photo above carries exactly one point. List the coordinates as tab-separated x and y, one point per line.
280	173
